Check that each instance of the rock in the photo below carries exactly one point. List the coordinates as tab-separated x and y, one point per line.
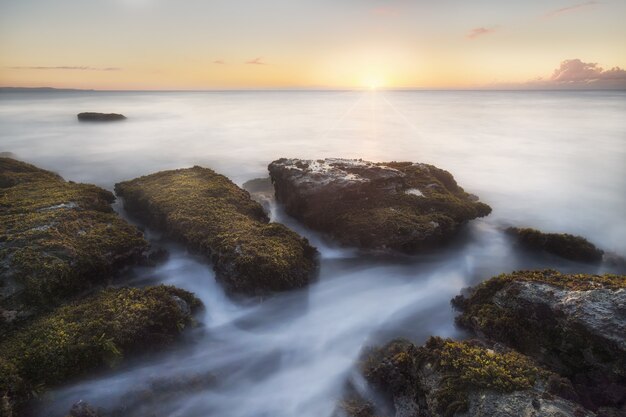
575	248
262	191
573	324
469	379
87	336
99	117
83	409
211	215
396	205
57	239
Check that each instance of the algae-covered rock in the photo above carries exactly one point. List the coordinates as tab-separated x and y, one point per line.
396	205
575	248
470	379
57	239
90	335
574	324
213	216
99	117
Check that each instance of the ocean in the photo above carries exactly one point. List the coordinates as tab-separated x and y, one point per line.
555	161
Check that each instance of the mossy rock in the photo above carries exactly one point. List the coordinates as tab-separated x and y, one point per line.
57	239
575	248
574	324
398	206
91	335
447	378
211	215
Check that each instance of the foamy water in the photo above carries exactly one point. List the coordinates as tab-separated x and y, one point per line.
551	160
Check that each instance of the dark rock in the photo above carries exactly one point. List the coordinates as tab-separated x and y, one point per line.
83	409
90	335
575	248
573	324
449	378
397	205
99	117
57	239
211	215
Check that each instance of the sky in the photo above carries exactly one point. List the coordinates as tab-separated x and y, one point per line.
238	44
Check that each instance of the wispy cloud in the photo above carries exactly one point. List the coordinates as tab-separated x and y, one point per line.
481	31
256	61
219	62
67	67
573	8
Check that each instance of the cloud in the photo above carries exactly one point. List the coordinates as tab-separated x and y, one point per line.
68	67
573	8
575	71
256	61
219	62
476	32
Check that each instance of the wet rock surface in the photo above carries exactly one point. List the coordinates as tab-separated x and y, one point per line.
397	205
575	248
57	239
449	378
574	324
211	215
99	117
90	335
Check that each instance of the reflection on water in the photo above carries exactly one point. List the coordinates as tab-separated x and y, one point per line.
548	160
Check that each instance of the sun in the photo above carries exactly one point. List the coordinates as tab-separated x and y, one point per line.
373	82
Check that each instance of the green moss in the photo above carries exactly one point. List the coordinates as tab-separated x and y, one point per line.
93	334
212	215
57	238
469	367
564	245
464	367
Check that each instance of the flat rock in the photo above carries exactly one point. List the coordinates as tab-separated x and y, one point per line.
211	215
99	117
403	206
575	248
93	334
460	379
57	239
573	324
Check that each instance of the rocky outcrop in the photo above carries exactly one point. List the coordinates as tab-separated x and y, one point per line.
57	239
575	248
574	324
397	205
462	379
99	117
213	216
95	333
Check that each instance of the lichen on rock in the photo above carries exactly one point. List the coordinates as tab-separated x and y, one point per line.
57	239
89	335
382	206
575	248
211	215
575	324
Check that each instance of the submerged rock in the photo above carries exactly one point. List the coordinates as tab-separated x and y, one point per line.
397	205
90	335
83	409
449	378
262	191
210	214
99	117
57	239
574	324
575	248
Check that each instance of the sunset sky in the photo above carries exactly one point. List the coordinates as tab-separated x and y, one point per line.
206	44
